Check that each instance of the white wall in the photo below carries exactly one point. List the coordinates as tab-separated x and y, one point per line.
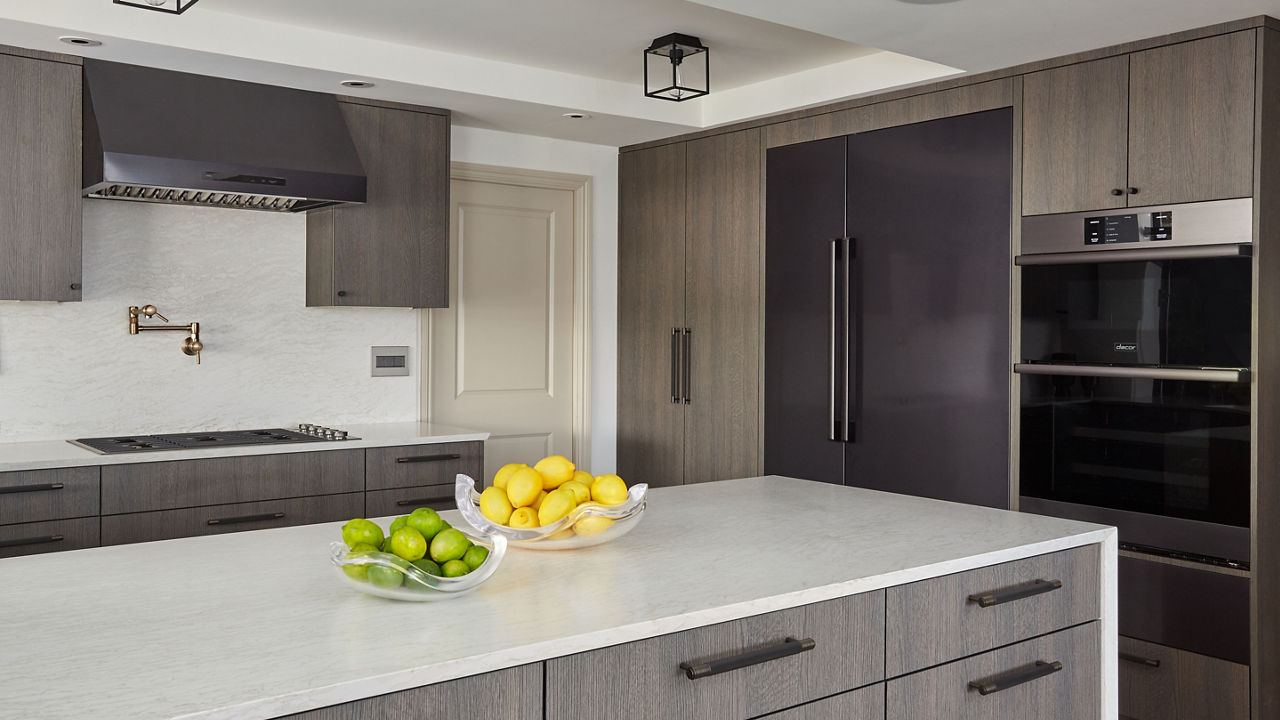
491	147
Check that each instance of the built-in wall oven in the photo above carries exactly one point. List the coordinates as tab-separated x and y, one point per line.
1135	394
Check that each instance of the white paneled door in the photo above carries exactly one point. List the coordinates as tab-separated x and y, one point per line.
503	354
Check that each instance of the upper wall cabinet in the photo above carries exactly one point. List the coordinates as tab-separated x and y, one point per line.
392	251
1162	126
40	221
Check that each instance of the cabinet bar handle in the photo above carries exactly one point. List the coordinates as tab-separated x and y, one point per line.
31	541
833	430
675	366
423	501
999	597
30	488
786	648
428	458
1139	660
687	353
1015	677
245	518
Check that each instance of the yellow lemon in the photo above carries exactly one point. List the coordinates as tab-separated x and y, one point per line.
557	504
581	493
609	490
495	506
556	470
501	477
562	535
523	487
537	502
524	518
591	525
585	478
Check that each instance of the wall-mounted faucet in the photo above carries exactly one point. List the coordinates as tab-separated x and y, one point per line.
191	344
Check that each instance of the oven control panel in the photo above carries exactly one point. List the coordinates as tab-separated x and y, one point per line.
1129	228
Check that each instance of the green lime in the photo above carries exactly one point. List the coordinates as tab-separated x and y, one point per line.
359	531
455	568
398	523
426	521
409	544
475	556
359	572
385	577
427	566
449	545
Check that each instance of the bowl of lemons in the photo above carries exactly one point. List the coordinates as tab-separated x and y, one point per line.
420	558
551	505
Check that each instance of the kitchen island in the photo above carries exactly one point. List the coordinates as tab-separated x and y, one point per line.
259	625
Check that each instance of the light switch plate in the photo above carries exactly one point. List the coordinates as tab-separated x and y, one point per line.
389	360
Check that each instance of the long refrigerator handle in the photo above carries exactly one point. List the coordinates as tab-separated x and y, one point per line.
833	340
851	313
687	357
676	367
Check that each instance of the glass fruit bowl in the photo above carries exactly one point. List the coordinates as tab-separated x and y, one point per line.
559	535
417	584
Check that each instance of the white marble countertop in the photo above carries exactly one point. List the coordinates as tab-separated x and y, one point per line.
258	624
60	453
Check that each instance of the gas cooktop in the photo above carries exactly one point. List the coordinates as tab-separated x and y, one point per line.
122	444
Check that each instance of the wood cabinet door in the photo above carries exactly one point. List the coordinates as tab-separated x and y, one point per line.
722	293
1074	128
1170	684
651	304
40	220
511	694
1191	121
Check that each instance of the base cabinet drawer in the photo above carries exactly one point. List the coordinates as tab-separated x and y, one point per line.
743	668
1163	683
217	519
512	694
941	619
864	704
402	501
38	495
415	465
1054	677
52	536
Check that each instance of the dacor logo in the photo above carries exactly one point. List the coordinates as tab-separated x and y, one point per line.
1126	347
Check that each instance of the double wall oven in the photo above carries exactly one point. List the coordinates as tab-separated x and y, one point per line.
1135	403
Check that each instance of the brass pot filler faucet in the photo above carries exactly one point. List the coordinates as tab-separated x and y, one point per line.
191	344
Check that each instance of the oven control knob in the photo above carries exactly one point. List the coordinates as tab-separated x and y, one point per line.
342	434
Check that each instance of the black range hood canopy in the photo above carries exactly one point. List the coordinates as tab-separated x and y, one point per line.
163	136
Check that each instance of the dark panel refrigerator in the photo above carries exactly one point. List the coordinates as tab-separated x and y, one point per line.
887	309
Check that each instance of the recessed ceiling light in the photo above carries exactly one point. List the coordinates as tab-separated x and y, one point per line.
81	41
577	116
357	84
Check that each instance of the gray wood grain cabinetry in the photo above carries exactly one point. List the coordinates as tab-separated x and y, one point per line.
644	679
940	619
402	501
1162	683
1072	692
51	536
418	465
218	481
237	517
651	303
393	250
40	219
512	694
864	704
36	495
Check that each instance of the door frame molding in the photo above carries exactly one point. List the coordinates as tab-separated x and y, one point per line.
580	186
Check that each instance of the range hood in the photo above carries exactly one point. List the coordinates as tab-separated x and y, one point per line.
162	136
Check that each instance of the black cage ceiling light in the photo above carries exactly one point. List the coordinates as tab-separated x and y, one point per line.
176	7
676	68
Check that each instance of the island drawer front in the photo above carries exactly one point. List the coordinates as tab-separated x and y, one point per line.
402	501
644	679
511	694
1023	678
37	495
42	537
864	704
219	481
933	621
1164	683
416	465
216	519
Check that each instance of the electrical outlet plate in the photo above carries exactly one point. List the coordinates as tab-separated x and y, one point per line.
389	360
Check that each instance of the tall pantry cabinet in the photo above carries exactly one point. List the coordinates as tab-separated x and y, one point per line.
689	244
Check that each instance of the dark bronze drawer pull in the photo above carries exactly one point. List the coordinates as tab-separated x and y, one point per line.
999	597
246	518
790	646
1015	677
31	541
428	458
30	488
1139	660
423	501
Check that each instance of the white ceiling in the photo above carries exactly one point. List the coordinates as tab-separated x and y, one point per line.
519	65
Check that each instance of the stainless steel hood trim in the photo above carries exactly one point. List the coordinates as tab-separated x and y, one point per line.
1217	222
1231	375
203	198
1137	254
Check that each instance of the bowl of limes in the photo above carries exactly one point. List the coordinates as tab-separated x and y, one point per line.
551	506
421	558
